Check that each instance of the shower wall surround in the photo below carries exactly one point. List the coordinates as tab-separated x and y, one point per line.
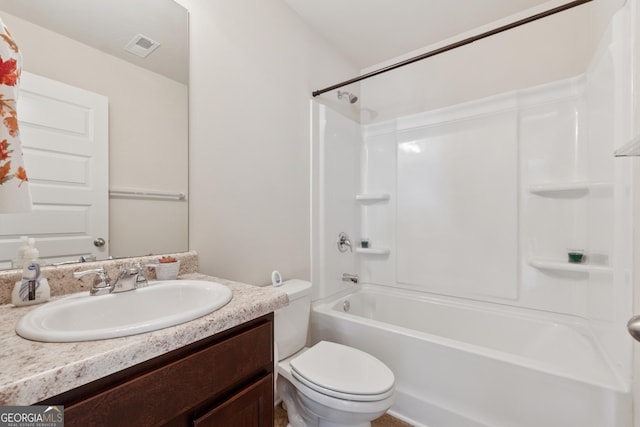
486	198
336	151
483	200
457	201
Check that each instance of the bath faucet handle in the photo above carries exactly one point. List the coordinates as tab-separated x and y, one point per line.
343	242
101	282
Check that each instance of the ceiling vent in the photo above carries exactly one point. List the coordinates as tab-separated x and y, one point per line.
141	45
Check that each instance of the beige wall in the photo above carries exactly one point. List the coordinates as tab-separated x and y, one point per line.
148	134
254	65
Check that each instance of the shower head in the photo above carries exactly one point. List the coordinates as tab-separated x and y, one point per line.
352	98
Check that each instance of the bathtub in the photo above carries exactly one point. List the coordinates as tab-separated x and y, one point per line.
469	364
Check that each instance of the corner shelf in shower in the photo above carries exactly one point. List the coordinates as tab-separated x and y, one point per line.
373	197
373	251
557	265
568	188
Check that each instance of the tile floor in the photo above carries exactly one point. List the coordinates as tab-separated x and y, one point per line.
384	421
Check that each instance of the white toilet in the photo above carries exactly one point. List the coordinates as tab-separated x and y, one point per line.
328	384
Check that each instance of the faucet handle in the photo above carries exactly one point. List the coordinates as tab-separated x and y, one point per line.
132	270
343	242
99	272
101	283
139	270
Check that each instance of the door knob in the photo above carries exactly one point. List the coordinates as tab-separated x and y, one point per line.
633	326
99	242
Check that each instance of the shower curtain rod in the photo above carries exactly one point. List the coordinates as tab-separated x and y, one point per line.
454	45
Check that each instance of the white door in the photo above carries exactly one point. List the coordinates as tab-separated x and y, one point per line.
64	133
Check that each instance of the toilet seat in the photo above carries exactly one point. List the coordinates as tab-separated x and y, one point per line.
343	372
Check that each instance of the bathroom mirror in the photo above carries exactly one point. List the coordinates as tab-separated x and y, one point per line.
81	43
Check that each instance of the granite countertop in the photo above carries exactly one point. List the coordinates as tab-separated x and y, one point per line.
33	371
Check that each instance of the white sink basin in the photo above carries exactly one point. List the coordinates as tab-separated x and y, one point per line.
162	304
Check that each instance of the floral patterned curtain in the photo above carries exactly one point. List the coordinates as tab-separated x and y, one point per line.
14	188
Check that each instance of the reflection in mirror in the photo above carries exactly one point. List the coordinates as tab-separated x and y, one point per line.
105	131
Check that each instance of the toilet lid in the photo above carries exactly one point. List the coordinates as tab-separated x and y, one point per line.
339	370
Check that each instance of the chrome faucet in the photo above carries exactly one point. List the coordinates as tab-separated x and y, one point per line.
101	283
346	277
128	279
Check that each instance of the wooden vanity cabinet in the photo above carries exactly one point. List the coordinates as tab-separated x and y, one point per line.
225	380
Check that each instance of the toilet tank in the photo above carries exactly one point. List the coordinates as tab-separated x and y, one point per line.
292	322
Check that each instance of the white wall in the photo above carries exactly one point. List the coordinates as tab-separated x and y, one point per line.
148	134
254	65
553	48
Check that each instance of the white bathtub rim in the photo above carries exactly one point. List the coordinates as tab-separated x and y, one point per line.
434	298
482	351
325	306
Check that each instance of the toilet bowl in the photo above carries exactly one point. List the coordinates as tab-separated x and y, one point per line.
327	384
334	385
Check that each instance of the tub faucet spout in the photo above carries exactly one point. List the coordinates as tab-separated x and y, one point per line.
346	277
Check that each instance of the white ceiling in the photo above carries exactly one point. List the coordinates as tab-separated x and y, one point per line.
369	32
109	25
366	32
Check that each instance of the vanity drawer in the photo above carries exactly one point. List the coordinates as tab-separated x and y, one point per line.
181	386
252	406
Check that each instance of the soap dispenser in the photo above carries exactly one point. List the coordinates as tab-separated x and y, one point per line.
24	245
33	288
